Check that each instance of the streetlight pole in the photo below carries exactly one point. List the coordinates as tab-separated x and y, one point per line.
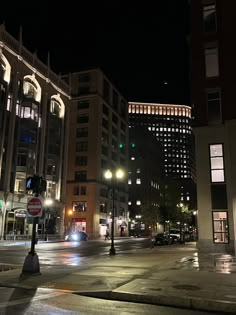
112	177
112	249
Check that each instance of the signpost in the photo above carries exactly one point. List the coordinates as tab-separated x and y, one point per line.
34	207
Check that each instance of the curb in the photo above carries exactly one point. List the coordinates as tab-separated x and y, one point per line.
192	303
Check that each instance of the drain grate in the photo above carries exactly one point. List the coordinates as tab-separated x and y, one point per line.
188	287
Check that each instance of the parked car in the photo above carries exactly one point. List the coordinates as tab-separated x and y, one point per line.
77	236
160	239
175	234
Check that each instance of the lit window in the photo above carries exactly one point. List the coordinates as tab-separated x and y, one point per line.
138	170
220	227
129	203
138	202
129	181
132	158
138	181
217	163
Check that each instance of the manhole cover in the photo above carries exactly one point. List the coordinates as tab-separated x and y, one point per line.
186	287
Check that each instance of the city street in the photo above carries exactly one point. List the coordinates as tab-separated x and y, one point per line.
69	270
68	253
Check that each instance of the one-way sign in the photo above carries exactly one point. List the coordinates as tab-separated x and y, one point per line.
34	207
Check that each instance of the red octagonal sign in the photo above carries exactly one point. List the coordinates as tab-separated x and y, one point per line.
34	207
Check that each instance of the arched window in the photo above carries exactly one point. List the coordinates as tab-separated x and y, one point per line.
31	88
57	106
5	68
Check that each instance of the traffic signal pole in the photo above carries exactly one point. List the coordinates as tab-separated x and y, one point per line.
33	239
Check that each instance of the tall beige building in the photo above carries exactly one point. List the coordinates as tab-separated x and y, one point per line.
98	140
34	103
213	65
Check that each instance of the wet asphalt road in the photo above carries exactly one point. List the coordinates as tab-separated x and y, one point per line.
68	253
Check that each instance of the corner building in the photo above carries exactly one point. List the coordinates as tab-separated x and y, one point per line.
98	140
213	62
33	111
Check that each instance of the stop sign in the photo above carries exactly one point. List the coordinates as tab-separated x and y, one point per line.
34	207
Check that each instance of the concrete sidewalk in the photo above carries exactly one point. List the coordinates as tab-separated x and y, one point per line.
153	276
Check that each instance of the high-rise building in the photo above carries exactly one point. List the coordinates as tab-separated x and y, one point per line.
213	67
144	180
34	103
98	140
172	126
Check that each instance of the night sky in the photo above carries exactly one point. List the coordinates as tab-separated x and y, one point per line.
140	46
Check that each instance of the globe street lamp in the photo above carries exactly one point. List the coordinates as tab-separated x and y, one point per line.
113	177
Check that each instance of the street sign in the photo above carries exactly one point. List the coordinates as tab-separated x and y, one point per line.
34	207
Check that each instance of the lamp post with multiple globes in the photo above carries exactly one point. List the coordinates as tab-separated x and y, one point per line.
113	177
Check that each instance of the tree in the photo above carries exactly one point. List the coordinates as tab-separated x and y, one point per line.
169	198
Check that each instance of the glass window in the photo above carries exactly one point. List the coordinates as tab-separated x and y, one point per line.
76	191
83	104
217	163
115	100
55	108
81	146
211	60
105	123
29	89
81	160
214	106
82	132
82	119
138	202
138	181
209	17
79	206
83	190
105	110
220	227
81	176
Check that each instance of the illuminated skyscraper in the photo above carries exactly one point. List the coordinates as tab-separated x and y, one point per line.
171	124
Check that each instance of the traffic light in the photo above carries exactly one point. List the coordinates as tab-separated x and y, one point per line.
132	145
36	183
121	146
43	184
28	184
